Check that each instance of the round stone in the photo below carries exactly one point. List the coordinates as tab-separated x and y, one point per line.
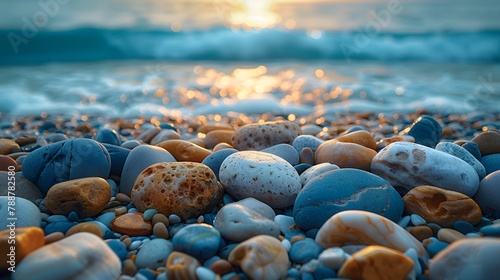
306	141
26	212
467	259
376	262
164	135
458	151
85	227
345	155
491	163
215	137
139	159
259	136
315	171
161	231
181	266
426	131
8	146
66	160
488	142
154	254
449	235
24	188
284	151
131	224
27	240
118	157
263	176
183	150
361	137
409	165
201	241
188	189
214	160
345	189
305	250
261	257
421	232
221	267
441	206
84	255
7	164
86	196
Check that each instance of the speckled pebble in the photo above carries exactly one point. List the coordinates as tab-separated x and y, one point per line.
214	160
263	176
306	141
463	154
260	136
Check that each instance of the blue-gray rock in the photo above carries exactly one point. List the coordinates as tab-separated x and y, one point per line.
106	231
66	160
201	241
257	206
154	253
130	144
315	171
463	154
118	156
304	250
62	227
300	168
214	160
306	141
473	149
471	258
108	136
491	163
284	151
26	212
488	194
238	223
345	189
139	159
106	218
426	131
118	248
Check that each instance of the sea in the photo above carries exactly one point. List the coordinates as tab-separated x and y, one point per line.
216	58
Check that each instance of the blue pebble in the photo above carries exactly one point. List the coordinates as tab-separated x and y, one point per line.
113	186
134	245
484	222
307	276
87	220
306	141
304	250
416	220
293	273
57	218
148	214
66	160
312	233
58	227
354	128
167	126
491	163
334	191
132	210
148	274
323	272
473	149
226	250
426	131
118	248
130	144
463	227
491	230
198	240
118	156
209	218
106	218
300	168
43	224
214	161
73	217
108	136
436	246
289	234
162	276
173	229
404	222
226	199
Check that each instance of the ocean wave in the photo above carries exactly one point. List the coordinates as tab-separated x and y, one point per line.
220	44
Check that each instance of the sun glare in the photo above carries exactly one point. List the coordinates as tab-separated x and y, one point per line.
254	14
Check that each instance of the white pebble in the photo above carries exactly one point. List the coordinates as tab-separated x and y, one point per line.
286	244
284	222
333	258
417	220
204	273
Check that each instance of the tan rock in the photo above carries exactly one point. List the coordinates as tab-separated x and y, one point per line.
488	142
8	146
148	135
345	155
185	151
361	137
376	263
188	189
181	266
28	239
215	137
449	235
206	128
261	257
259	136
86	196
8	164
222	146
441	206
421	232
132	224
85	227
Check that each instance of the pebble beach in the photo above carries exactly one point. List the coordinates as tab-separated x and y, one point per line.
361	196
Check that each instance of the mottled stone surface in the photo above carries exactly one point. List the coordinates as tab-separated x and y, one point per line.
86	196
263	176
81	256
463	154
260	136
409	165
261	257
181	266
442	207
188	189
365	228
376	263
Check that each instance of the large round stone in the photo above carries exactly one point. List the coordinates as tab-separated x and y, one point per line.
345	189
188	189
